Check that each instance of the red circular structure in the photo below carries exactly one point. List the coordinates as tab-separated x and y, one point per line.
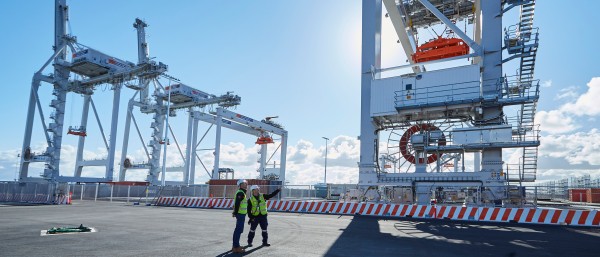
405	139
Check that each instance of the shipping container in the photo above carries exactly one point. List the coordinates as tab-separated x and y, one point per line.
227	187
578	195
593	195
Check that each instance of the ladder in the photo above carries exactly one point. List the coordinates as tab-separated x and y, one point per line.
529	37
521	41
528	54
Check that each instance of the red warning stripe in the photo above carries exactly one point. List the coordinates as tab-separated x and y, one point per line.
440	212
333	207
387	208
461	213
404	208
347	208
483	213
494	214
354	207
377	210
596	220
310	207
285	206
432	212
530	215
395	211
569	217
299	206
583	217
506	214
473	212
518	215
556	216
339	207
205	202
452	211
318	207
278	207
369	210
323	207
543	216
413	210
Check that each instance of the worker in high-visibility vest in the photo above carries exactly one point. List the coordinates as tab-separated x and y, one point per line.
240	209
257	212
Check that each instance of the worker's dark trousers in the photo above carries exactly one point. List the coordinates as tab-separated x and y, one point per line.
239	229
262	220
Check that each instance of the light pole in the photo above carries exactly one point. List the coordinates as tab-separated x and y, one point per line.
17	167
326	141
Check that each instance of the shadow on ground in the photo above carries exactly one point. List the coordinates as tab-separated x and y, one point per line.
371	236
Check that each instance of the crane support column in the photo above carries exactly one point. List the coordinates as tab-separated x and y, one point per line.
113	133
189	148
371	61
81	143
215	172
491	42
193	153
122	169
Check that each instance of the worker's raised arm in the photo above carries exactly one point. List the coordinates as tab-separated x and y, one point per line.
269	196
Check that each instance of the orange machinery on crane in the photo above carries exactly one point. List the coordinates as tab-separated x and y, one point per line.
440	48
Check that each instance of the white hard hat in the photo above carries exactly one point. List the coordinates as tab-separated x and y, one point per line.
254	187
240	181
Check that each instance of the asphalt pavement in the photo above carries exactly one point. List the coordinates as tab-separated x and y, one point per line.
128	230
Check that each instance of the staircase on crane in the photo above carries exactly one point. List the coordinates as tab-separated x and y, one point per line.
521	41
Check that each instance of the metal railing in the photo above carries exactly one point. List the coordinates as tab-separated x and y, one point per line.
507	196
457	93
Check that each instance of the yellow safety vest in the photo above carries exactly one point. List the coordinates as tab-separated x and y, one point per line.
258	206
243	204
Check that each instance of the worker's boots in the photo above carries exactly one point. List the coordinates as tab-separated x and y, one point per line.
265	236
238	249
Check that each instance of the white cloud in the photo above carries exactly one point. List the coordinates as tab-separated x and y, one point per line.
303	152
555	122
545	175
577	148
561	120
568	93
306	162
587	103
547	83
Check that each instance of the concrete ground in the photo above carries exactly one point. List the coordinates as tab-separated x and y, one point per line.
127	230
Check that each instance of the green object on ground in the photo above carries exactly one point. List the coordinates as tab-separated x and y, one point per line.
81	228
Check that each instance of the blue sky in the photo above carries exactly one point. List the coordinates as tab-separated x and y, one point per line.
296	59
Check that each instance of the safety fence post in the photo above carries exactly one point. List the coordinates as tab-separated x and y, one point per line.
96	194
20	193
128	192
535	190
111	192
81	194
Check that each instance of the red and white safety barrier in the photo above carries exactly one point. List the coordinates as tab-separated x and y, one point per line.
467	213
